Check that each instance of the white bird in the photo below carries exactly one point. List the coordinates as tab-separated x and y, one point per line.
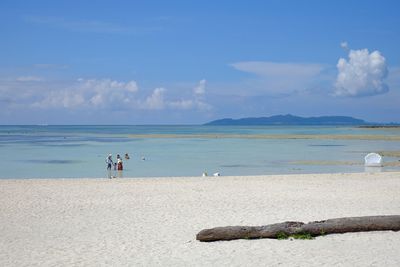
216	174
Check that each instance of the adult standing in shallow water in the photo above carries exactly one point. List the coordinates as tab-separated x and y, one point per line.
109	162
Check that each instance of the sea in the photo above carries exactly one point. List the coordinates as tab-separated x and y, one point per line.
56	151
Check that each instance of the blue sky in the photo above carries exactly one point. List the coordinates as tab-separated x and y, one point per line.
178	62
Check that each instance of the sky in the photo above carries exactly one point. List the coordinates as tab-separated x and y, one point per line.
190	62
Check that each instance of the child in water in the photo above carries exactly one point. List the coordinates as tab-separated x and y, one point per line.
119	163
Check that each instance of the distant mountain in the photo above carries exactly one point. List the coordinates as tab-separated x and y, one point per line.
291	120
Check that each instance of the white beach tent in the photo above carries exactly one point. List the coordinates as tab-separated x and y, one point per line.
373	160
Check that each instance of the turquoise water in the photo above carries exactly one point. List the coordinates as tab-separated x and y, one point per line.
80	151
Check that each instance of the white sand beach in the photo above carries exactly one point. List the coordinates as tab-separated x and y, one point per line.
154	221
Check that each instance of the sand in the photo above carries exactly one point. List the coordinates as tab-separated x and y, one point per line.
154	221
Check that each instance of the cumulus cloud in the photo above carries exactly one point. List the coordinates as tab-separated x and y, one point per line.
97	93
363	74
100	94
199	97
63	99
107	91
196	101
200	89
155	101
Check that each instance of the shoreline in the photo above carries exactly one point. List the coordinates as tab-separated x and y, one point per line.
374	170
154	221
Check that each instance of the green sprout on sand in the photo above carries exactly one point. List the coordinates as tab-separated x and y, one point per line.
303	236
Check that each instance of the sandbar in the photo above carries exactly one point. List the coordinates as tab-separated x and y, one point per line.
270	136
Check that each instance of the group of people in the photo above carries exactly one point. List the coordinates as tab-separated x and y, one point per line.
118	165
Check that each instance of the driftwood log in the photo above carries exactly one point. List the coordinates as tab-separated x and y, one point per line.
317	228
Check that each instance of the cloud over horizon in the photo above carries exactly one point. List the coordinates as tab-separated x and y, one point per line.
197	101
363	74
88	93
96	94
282	78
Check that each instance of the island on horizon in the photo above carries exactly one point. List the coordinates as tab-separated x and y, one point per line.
297	120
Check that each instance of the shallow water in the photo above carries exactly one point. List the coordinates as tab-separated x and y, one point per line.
80	151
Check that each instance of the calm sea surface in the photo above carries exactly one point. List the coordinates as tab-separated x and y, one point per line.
80	151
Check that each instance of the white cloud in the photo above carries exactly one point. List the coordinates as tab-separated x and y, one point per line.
155	101
201	105
109	92
105	85
273	69
199	97
90	93
200	89
29	79
131	86
279	78
97	94
190	104
344	45
362	74
182	104
196	101
158	101
64	99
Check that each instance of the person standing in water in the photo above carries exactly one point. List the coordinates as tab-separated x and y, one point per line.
109	162
119	163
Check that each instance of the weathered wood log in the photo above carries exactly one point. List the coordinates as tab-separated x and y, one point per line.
316	228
